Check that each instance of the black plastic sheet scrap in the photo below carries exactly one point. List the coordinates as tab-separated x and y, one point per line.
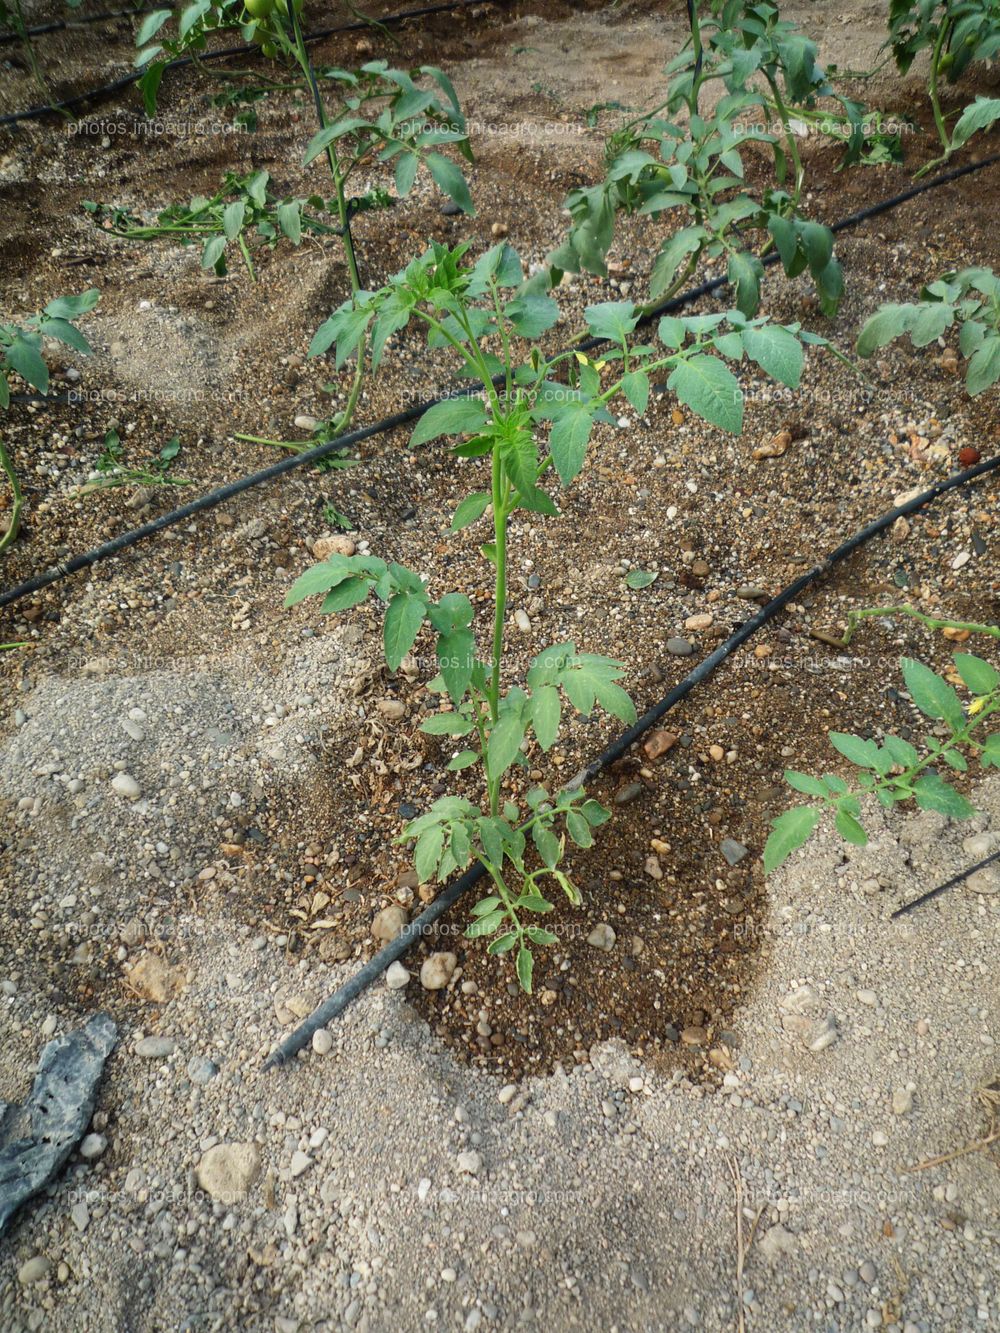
37	1138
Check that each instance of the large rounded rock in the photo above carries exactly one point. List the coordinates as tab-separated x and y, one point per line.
227	1171
438	970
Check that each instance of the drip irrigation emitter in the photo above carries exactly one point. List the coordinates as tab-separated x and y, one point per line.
126	539
336	1003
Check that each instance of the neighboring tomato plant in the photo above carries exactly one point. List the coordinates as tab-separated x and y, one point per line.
897	770
956	34
679	158
21	353
398	117
969	299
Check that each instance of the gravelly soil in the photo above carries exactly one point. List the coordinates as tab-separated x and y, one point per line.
270	784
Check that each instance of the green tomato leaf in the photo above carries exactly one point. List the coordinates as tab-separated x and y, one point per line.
24	357
546	710
789	832
984	365
547	844
808	786
455	416
745	273
403	618
485	925
635	387
578	829
465	759
886	324
850	830
447	724
347	593
539	936
710	389
639	578
933	793
427	853
776	351
933	696
861	752
505	742
471	508
450	181
979	676
456	653
290	220
525	967
232	219
568	440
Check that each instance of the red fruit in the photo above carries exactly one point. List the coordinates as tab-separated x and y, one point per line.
968	456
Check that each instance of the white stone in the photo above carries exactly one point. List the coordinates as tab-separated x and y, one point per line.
125	785
322	1042
396	976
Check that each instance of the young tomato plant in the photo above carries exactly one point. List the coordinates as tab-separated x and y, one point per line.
656	165
21	353
243	204
505	425
387	115
956	35
896	770
113	470
970	299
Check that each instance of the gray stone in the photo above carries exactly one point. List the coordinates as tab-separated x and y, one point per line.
902	1101
201	1070
822	1034
679	647
301	1162
777	1243
388	923
34	1270
986	880
733	851
602	937
155	1048
93	1146
469	1163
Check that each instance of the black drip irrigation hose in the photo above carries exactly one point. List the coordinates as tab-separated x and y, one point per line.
227	492
216	497
83	21
118	85
941	888
335	1004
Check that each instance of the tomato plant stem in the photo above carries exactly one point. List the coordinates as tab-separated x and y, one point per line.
499	490
939	45
15	511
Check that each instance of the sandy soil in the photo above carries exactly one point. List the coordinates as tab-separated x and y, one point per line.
258	851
